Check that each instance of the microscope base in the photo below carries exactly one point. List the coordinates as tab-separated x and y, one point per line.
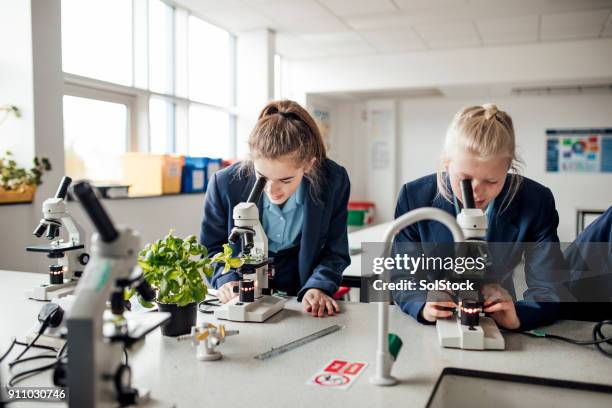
50	292
214	356
486	336
258	311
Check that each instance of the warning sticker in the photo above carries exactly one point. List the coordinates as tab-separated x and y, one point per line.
338	374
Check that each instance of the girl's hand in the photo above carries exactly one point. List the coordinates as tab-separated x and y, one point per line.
439	306
226	292
499	304
438	310
316	302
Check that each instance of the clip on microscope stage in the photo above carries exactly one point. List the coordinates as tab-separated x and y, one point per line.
69	258
254	304
468	329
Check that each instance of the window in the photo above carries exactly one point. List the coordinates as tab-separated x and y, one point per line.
165	78
208	132
209	63
95	136
160	47
97	39
161	112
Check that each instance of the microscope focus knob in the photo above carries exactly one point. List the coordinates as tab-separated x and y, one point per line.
83	259
117	302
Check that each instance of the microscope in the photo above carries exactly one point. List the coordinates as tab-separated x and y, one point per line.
69	258
254	303
467	329
95	371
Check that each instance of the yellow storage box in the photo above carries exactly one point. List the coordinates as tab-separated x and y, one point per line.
152	174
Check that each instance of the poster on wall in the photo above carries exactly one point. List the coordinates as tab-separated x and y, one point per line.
579	150
380	132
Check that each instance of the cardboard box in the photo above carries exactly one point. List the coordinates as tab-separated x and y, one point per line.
152	174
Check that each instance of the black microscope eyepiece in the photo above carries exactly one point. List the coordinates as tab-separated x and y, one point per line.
40	230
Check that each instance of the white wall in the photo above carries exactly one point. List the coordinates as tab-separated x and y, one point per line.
16	135
349	132
464	74
151	217
589	60
423	124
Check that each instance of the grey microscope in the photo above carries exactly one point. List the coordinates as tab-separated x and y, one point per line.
95	370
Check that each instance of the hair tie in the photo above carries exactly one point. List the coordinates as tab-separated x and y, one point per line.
289	115
490	111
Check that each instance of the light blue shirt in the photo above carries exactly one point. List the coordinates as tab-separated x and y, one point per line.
283	226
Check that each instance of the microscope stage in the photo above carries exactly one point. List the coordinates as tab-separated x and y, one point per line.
55	249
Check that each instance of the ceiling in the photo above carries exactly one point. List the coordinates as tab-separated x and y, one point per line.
324	28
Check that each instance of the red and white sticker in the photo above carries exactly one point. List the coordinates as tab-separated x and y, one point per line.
338	374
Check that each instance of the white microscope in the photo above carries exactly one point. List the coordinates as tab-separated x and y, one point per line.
69	257
467	329
254	304
96	372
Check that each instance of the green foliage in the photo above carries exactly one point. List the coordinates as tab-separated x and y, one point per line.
13	177
176	268
226	258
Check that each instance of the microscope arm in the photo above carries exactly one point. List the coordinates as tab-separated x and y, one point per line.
76	234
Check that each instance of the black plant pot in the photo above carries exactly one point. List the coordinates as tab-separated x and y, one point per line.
182	318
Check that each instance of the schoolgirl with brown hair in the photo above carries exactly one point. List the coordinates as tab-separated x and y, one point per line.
303	209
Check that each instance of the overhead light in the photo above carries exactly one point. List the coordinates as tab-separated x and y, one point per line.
564	90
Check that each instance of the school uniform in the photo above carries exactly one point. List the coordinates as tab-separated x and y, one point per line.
590	260
307	237
530	217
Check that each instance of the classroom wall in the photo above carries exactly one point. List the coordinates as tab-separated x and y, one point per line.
16	135
423	123
151	217
585	61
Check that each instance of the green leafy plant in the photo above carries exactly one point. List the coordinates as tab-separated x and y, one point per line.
175	268
13	177
226	258
8	110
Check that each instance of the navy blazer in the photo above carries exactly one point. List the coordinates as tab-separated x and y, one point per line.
590	258
530	217
324	252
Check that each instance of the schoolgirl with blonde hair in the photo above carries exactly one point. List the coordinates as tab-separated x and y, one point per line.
480	146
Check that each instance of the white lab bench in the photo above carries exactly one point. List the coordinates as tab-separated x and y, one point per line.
170	369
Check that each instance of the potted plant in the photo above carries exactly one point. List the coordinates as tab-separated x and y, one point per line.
176	268
18	184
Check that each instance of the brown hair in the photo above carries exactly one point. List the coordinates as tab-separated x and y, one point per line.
484	131
284	128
